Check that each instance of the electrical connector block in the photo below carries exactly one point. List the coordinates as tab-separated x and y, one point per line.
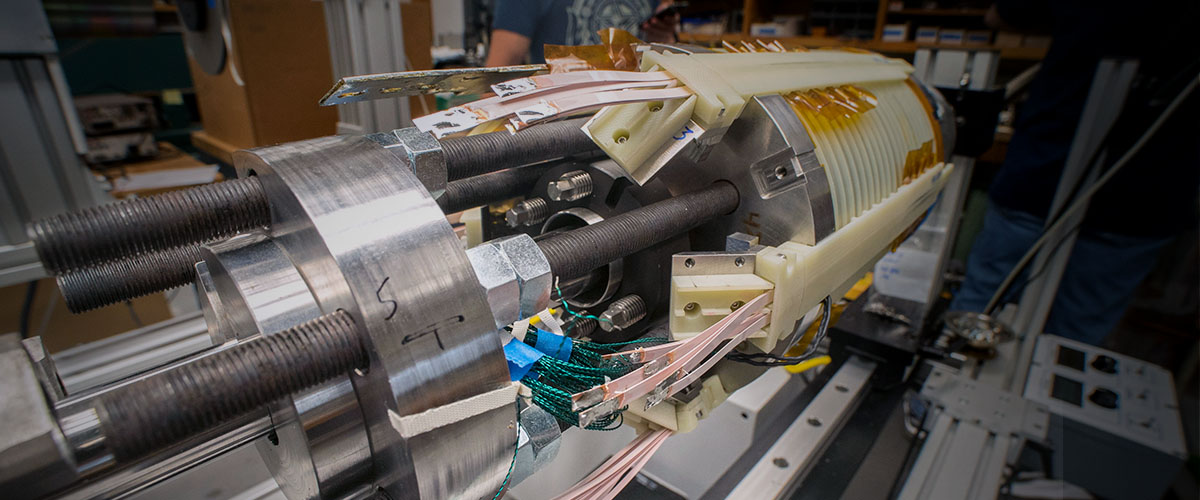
707	286
678	416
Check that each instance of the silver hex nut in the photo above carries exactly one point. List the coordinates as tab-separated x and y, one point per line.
425	157
499	281
533	272
34	455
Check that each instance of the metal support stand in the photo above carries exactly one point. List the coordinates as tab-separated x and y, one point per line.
785	464
367	36
1109	87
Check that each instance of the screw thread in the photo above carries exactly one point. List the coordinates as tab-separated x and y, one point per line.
623	313
527	213
171	406
121	280
93	235
571	186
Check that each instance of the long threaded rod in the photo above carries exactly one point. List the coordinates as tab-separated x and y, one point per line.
121	280
172	406
95	235
488	188
480	154
575	253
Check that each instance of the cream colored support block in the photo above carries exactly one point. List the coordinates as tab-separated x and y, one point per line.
712	394
473	219
678	417
698	302
718	104
633	133
804	275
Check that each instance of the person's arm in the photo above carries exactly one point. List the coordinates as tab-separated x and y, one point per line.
508	48
661	30
515	24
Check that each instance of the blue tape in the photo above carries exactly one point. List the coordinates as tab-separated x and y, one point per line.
554	345
521	358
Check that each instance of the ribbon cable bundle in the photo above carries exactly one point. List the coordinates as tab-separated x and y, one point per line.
611	477
527	101
669	368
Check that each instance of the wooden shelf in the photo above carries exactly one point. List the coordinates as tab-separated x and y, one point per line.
894	48
940	12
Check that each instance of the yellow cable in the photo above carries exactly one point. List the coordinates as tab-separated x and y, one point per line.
535	320
808	364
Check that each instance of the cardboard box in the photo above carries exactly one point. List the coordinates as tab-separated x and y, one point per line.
927	34
895	32
281	54
770	29
979	37
951	37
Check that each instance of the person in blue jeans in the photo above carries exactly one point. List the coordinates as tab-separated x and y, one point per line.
1148	203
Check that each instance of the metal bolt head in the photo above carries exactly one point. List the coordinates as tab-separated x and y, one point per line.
533	272
426	158
571	186
527	213
514	274
499	281
623	313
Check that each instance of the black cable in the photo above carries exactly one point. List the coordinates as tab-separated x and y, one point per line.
771	360
1076	204
27	308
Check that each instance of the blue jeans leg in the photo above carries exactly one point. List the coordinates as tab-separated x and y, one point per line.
1098	284
1096	287
1005	237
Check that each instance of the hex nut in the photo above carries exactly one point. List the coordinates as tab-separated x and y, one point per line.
426	158
34	456
499	281
533	272
422	153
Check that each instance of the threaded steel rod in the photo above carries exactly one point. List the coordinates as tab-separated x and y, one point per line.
121	280
174	405
488	188
575	253
484	153
94	235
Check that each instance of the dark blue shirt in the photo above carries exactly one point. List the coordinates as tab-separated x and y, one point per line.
1156	193
569	22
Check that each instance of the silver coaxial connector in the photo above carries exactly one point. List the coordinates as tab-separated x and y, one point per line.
623	313
571	186
527	213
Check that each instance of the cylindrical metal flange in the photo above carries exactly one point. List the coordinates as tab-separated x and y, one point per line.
319	446
370	240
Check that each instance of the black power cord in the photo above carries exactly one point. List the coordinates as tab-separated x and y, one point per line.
770	360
